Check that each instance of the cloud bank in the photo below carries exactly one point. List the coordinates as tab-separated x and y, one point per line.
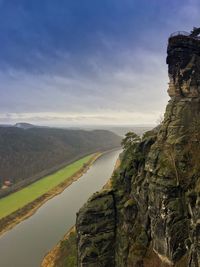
78	62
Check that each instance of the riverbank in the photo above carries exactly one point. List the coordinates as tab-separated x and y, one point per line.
8	222
65	249
65	252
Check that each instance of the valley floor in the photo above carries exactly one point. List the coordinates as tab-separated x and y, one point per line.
24	203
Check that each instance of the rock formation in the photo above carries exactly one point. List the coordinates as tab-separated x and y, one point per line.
150	216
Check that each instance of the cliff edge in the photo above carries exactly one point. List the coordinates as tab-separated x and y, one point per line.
151	214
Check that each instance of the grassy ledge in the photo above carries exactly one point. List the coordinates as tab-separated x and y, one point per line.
22	204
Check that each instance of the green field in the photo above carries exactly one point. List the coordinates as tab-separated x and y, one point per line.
19	199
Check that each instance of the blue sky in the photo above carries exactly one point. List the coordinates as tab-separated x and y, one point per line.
81	62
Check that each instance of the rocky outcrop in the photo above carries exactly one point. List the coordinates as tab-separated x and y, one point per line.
184	66
96	231
151	214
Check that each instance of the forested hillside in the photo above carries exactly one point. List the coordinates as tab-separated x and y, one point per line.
25	153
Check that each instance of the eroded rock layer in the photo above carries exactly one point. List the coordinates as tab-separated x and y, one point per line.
151	214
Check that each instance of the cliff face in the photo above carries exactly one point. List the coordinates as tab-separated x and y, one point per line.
151	214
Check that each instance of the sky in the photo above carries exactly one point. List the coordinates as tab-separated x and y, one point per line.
87	62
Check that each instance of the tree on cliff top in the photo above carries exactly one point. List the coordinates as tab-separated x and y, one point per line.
130	140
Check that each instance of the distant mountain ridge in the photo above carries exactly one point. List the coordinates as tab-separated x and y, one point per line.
24	125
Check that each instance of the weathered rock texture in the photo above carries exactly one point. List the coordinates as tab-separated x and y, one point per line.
151	214
96	231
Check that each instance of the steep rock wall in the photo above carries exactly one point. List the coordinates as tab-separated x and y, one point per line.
152	212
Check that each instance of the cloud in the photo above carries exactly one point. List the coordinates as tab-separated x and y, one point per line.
184	16
100	62
65	119
134	82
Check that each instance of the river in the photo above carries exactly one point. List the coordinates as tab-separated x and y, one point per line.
28	242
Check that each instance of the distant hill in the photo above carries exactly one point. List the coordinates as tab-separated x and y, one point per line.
26	151
24	125
122	130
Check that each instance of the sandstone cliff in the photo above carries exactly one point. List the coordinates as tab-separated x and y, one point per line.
151	214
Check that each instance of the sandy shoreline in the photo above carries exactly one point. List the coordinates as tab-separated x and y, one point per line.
51	257
8	222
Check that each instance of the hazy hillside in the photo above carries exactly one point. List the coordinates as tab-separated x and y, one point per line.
122	130
24	153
